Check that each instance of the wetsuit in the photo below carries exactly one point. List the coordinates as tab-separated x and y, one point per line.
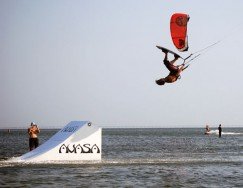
220	131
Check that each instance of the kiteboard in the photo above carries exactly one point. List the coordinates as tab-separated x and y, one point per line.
169	51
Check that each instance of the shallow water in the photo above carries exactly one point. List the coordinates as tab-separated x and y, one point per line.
134	158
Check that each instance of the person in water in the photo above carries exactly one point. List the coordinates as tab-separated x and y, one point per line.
207	129
33	139
175	70
220	130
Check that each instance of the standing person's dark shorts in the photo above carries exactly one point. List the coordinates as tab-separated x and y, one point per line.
172	68
33	143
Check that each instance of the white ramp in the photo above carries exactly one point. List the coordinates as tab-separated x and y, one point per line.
77	141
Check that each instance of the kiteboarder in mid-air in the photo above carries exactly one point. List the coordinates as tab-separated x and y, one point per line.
175	70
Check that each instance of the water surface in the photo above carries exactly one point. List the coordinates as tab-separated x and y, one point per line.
134	158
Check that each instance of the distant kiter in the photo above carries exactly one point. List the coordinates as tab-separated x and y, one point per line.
220	130
207	129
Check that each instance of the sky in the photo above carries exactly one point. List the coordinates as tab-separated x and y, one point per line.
96	60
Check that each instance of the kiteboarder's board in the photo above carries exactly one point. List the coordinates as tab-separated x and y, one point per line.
169	51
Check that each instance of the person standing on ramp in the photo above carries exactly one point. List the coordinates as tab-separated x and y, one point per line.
33	139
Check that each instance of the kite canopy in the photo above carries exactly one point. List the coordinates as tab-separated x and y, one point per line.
178	30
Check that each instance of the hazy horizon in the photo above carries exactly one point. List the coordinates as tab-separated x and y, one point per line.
128	126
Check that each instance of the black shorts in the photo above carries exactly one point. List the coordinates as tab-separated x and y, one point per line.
33	143
170	66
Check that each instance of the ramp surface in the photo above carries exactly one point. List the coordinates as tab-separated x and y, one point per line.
78	140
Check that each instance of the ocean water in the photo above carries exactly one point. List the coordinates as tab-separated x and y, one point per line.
165	157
